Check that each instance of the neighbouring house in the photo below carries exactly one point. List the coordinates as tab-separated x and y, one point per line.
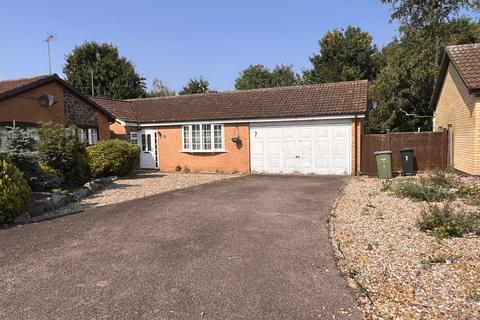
304	129
456	100
28	102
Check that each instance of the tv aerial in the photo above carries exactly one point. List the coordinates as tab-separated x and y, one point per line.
49	39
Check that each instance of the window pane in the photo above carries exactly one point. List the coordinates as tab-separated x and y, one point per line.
92	136
144	143
196	137
82	135
217	136
186	137
149	142
207	136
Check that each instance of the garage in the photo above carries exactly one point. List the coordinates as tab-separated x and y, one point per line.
319	147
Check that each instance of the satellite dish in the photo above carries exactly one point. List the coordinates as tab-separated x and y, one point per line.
46	100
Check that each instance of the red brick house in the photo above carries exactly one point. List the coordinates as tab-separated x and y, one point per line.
28	102
304	129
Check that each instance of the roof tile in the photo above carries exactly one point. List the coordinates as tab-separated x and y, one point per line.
466	59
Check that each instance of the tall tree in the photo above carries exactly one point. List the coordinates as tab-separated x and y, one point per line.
344	56
259	76
411	62
195	86
113	76
160	89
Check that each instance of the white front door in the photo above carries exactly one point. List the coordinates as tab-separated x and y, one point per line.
149	151
322	147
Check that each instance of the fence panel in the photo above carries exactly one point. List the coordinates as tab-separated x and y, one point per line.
430	150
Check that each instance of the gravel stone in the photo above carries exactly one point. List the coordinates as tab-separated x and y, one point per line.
141	185
388	260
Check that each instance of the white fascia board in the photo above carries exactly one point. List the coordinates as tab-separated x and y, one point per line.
162	124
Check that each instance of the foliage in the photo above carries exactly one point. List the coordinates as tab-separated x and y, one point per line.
410	63
160	89
470	192
178	168
195	86
21	150
418	191
113	76
344	55
14	191
444	223
61	149
259	76
113	157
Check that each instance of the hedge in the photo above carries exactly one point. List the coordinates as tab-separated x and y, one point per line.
113	158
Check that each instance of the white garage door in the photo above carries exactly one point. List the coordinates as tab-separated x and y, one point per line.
322	147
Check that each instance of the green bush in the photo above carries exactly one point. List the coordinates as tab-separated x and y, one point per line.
441	178
60	149
14	191
444	223
113	157
418	191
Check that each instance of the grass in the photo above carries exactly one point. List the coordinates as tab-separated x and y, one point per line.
444	223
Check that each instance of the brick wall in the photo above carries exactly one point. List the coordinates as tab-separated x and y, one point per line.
25	107
67	109
456	106
234	159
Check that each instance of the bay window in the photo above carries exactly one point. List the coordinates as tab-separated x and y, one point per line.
203	138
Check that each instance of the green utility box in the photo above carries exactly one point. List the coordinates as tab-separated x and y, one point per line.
384	164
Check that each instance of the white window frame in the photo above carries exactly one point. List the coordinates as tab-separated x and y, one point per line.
134	137
189	148
91	133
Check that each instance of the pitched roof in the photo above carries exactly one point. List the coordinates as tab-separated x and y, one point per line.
10	88
284	102
121	109
466	60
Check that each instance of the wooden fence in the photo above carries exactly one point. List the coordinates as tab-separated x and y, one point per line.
430	150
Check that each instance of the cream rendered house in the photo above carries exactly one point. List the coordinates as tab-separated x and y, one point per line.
456	99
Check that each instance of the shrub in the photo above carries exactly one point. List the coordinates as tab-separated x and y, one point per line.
61	149
113	157
14	191
441	178
21	150
444	223
418	191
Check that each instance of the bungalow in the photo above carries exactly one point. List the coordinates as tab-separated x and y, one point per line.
300	129
456	101
28	102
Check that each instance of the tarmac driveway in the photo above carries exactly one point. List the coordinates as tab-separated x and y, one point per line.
254	247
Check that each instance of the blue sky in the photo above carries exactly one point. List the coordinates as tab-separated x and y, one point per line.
178	40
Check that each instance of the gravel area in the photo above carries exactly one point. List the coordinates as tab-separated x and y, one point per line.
142	185
398	271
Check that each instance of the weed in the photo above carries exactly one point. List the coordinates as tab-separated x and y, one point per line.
444	223
441	178
469	192
186	170
369	247
178	168
418	191
475	295
387	185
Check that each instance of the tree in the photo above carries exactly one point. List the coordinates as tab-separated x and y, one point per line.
160	89
411	62
113	76
259	76
344	56
195	86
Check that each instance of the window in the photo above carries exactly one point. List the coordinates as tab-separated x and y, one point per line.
92	136
134	137
203	137
88	135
